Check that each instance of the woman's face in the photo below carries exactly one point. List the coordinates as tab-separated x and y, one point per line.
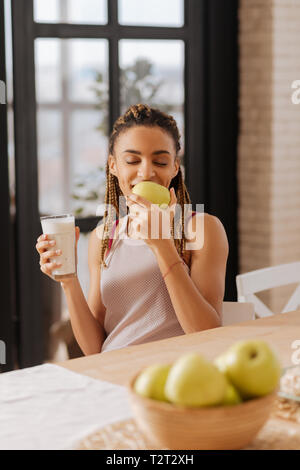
143	154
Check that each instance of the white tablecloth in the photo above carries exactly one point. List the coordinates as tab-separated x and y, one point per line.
50	407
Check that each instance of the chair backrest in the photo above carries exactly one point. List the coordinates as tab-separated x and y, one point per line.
248	284
237	312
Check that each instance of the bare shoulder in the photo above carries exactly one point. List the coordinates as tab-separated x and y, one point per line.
217	238
213	225
206	230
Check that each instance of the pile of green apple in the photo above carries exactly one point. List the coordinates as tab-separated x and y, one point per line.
247	370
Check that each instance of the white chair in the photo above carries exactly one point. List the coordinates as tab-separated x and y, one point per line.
237	312
248	284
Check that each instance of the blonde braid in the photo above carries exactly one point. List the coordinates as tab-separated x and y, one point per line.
111	200
183	198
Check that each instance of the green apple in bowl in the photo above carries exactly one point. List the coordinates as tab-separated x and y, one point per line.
150	383
251	366
193	381
220	362
232	396
153	192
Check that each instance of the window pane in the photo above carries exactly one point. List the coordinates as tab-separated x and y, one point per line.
86	59
46	11
89	154
73	67
154	13
70	11
152	72
50	161
48	72
72	124
8	51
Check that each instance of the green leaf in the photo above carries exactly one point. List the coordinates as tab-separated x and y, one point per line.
78	211
92	196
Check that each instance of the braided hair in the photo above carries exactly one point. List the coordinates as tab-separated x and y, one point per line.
142	115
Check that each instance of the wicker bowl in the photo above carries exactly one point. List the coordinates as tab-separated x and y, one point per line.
174	427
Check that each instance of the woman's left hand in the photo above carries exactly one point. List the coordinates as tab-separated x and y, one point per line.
149	222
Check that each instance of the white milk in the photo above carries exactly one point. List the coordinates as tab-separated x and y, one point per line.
62	230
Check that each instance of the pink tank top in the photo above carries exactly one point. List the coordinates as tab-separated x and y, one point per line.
138	305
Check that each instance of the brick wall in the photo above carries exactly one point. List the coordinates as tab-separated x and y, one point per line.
269	140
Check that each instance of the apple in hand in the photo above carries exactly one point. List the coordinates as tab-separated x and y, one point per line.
153	192
251	366
193	381
151	382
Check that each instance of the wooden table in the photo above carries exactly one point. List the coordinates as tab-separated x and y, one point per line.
120	365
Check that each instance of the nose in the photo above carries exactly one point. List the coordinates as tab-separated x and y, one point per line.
146	171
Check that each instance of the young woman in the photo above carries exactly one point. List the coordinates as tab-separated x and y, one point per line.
144	289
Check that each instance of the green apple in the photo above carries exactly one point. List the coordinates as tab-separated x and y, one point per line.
251	366
151	382
153	192
193	381
232	396
220	362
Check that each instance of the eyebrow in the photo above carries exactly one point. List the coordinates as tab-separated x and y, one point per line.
156	152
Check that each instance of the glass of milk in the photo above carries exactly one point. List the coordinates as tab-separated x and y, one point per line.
61	228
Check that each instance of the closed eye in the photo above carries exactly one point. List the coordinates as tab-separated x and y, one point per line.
160	164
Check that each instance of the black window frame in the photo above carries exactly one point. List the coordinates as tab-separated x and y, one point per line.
211	124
